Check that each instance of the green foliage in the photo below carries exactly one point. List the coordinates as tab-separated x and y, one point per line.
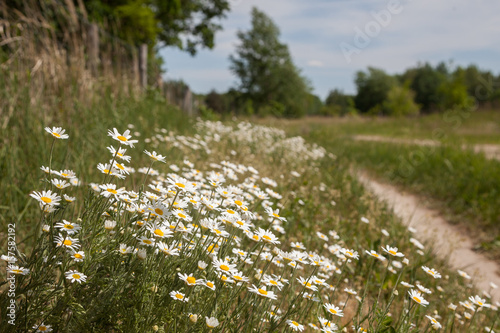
400	102
372	89
338	103
266	70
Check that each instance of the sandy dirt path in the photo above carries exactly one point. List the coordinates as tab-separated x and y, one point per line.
490	151
448	242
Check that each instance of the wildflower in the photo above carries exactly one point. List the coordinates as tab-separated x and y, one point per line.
417	297
9	259
208	284
423	289
124	249
406	284
212	322
350	291
120	153
73	276
393	251
60	184
479	301
263	292
160	231
322	236
350	253
110	189
170	251
365	220
193	317
274	214
46	198
452	306
267	236
123	139
57	132
432	272
464	274
178	296
202	265
333	309
190	280
67	242
298	245
239	277
295	326
68	198
307	284
376	255
141	254
78	256
146	241
109	225
224	266
326	324
155	156
435	324
69	227
43	328
14	269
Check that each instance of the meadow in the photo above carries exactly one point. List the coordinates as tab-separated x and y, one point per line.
204	226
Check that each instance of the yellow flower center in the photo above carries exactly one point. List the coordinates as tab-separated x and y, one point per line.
350	253
16	271
240	223
147	241
392	252
67	242
210	284
179	296
119	154
191	280
44	328
273	282
266	237
224	267
294	323
64	175
78	256
110	190
56	134
76	276
121	167
121	138
181	215
416	299
255	237
239	203
68	226
158	232
333	311
46	199
275	215
231	211
180	185
237	277
262	291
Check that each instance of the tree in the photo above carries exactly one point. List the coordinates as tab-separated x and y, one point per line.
338	103
426	82
267	74
373	88
400	102
187	24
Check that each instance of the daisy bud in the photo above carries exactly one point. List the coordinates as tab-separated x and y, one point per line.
406	261
46	228
109	224
141	254
193	318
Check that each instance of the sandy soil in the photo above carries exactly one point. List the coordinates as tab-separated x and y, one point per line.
449	243
490	151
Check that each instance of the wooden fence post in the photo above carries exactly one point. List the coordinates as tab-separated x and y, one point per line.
93	48
143	65
187	104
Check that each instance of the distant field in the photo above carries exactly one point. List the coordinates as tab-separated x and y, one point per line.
455	126
462	184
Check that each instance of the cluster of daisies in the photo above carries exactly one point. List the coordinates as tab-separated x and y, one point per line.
223	228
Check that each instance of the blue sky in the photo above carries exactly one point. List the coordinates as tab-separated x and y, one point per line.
330	40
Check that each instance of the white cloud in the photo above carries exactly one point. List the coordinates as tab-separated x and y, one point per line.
315	63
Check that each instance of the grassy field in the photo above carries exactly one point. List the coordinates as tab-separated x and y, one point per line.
457	127
462	184
281	225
